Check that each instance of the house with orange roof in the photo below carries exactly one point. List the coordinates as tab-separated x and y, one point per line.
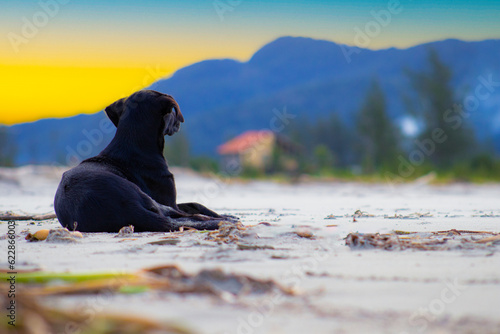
253	148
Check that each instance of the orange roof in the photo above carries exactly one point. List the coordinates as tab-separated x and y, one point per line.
244	141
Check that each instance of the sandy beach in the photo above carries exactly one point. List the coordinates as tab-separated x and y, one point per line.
295	237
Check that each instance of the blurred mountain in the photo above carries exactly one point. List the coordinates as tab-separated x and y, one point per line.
293	76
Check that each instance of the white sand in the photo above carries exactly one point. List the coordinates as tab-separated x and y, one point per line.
341	290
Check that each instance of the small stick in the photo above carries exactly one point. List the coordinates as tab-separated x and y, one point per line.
7	216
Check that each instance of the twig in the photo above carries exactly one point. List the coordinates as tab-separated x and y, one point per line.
6	216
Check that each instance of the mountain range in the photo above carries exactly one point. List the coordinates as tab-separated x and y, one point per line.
291	77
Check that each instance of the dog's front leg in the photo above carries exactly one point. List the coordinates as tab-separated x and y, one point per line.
197	208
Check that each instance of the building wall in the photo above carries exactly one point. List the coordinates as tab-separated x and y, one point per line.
260	153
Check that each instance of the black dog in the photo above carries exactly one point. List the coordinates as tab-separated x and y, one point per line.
129	183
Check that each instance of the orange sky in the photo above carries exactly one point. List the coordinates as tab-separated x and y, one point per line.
86	78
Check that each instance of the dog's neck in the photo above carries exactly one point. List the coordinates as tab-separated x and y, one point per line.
135	140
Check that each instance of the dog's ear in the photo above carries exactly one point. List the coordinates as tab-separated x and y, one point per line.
175	106
115	110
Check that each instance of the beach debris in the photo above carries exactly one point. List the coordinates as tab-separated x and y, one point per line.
280	257
415	215
125	231
494	239
215	282
185	229
304	233
9	215
63	235
165	241
372	240
38	235
243	246
464	232
77	234
362	214
126	239
35	317
228	232
359	214
331	216
168	278
440	240
44	277
487	215
54	235
42	283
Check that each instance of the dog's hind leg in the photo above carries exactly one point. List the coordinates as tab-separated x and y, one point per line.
177	218
160	223
153	216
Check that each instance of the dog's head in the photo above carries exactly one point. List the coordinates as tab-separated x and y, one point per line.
150	106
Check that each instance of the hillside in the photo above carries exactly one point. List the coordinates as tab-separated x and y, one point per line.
308	78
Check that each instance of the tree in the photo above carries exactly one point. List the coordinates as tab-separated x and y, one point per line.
7	148
331	133
323	157
379	138
437	111
337	137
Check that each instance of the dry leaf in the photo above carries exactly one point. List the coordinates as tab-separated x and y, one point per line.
493	239
38	235
304	233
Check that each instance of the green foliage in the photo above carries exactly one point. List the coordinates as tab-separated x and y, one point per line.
276	163
379	137
332	146
283	161
370	150
480	168
176	150
323	157
204	164
252	172
438	110
337	137
328	144
177	153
